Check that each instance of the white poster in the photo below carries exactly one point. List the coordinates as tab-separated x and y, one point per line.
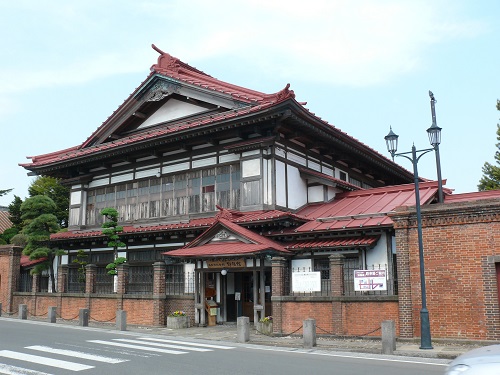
306	281
366	280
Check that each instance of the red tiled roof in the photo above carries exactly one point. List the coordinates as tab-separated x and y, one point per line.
364	208
27	262
259	216
335	242
5	222
194	223
333	179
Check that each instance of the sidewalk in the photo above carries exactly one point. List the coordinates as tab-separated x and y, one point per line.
444	349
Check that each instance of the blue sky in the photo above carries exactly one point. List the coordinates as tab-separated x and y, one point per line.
65	66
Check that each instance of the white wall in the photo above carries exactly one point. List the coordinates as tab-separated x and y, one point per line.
280	184
171	110
378	255
297	188
315	194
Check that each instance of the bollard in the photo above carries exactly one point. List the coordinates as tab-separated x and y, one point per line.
84	317
243	328
23	312
52	314
121	320
309	329
388	337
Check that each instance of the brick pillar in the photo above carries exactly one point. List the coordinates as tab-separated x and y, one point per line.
279	275
35	283
336	275
159	294
62	278
90	278
10	266
122	270
337	290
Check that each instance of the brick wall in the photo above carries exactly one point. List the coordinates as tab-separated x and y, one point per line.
461	244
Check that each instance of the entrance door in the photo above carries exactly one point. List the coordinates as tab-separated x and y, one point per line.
247	295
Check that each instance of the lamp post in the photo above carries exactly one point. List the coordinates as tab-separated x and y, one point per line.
392	146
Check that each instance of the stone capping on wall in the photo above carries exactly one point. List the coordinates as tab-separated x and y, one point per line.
373	298
478	211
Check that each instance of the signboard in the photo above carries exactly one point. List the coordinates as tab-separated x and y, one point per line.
306	281
366	280
234	263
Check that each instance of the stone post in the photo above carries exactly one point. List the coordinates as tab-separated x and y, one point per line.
51	317
23	312
309	336
90	278
83	317
279	274
121	320
122	270
388	337
159	293
337	290
243	329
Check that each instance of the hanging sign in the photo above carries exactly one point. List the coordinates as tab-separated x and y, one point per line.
365	280
233	263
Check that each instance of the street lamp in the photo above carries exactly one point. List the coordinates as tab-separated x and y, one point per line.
391	140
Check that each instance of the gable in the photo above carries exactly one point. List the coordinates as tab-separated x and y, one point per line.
173	109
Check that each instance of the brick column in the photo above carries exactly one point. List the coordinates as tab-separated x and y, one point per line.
62	278
279	276
336	275
159	294
337	290
90	278
10	265
122	270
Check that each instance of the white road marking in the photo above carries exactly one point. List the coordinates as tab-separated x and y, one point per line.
158	350
163	345
44	361
14	370
348	356
73	353
187	343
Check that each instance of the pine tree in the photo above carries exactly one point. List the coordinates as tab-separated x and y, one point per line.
491	172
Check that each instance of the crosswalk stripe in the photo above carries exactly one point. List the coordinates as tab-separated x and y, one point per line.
187	343
163	345
44	361
150	349
73	353
14	370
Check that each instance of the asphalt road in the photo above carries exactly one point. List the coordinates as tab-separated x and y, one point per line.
38	348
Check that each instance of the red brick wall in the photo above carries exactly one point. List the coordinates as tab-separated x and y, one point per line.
358	317
461	243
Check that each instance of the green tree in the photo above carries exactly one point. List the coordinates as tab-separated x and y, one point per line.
15	213
491	172
3	192
110	229
8	234
40	223
52	188
81	260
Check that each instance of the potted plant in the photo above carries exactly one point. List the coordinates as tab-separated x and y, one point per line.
265	325
178	319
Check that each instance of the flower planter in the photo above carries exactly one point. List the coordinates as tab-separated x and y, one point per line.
266	328
177	322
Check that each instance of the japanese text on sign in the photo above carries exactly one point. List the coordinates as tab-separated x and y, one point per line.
366	280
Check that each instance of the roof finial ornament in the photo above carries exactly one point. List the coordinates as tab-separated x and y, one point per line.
157	49
223	214
285	93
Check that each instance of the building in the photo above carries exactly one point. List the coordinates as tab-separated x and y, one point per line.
233	202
